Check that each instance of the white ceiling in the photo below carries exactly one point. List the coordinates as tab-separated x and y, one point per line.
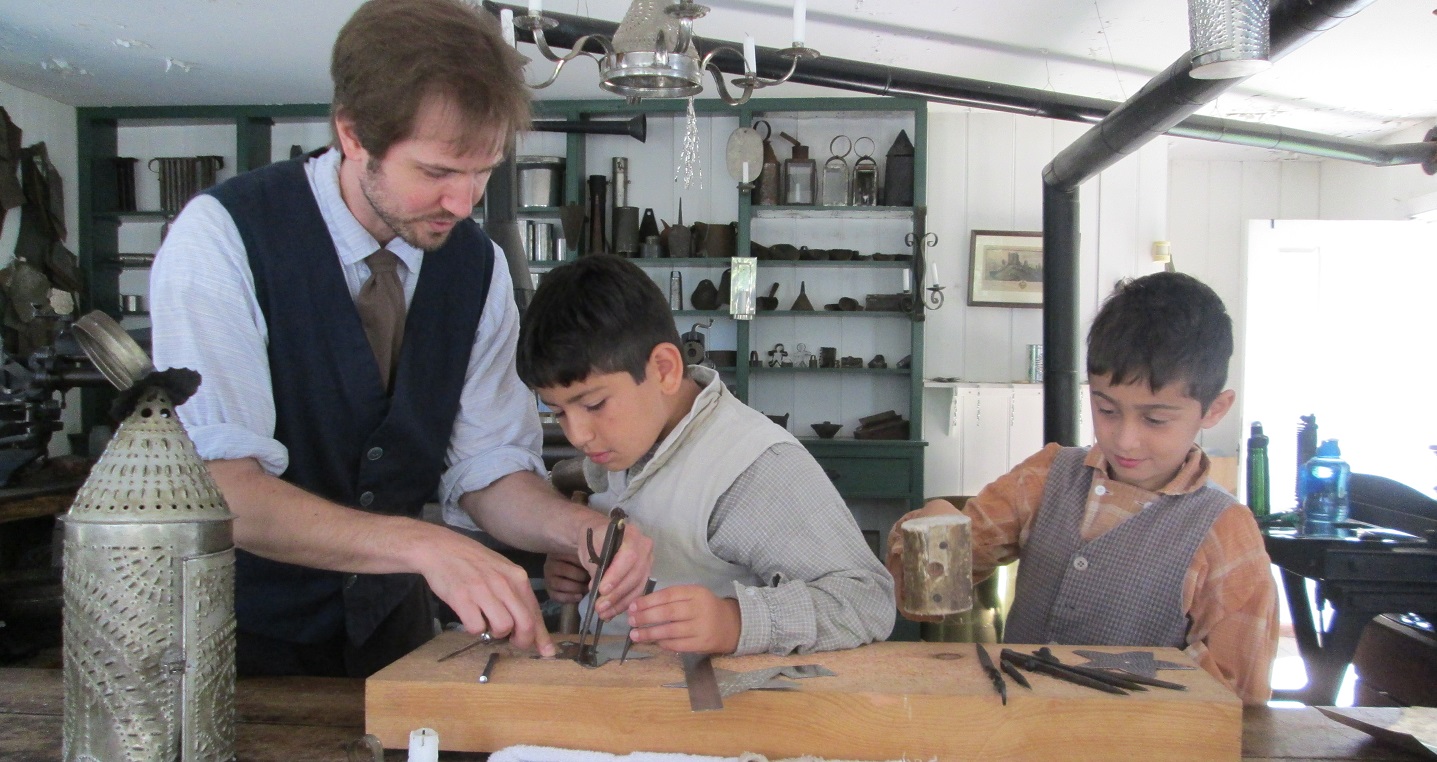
1369	77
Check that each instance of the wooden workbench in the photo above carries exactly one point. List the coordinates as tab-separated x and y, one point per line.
310	719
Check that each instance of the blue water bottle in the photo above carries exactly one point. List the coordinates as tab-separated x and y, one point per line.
1324	482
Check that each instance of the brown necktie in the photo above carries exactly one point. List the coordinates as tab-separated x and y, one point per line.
381	310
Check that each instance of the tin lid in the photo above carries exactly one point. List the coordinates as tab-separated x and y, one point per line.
531	161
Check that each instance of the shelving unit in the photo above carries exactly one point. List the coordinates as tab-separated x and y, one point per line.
866	469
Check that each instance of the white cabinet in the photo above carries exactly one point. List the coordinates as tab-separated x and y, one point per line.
991	428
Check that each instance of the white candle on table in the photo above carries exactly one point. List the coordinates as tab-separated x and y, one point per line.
750	55
800	8
423	745
506	26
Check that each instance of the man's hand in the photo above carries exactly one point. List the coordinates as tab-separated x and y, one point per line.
623	583
895	549
686	618
487	591
565	578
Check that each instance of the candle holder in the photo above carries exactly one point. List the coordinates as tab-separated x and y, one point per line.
634	67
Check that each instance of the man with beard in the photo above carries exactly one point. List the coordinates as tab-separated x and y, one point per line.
355	331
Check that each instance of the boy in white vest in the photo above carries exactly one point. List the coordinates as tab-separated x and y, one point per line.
754	550
1127	542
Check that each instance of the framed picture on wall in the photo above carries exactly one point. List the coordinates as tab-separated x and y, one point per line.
1005	269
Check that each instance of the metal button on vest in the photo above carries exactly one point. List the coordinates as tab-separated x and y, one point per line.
1100	490
1080	563
366	499
350	580
375	453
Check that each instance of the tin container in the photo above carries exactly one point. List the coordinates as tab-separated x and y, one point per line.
541	181
1035	363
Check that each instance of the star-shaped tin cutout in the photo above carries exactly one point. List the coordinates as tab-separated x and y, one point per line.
1137	662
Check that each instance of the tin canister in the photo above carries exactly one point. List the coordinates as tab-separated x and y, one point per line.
676	290
1035	363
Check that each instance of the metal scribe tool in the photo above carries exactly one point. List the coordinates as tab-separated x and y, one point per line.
993	674
629	641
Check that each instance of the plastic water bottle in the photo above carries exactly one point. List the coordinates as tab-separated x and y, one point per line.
1324	480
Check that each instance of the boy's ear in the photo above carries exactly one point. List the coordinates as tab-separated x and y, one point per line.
1218	409
666	363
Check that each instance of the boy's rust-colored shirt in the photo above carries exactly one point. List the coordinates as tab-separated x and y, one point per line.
1228	591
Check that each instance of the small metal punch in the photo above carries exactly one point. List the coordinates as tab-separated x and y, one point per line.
489	667
483	639
629	642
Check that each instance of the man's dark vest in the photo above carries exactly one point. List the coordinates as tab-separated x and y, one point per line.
1123	588
348	441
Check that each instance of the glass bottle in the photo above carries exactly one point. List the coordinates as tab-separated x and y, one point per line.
1257	476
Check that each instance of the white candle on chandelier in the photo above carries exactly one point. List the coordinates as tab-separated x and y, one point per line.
750	55
907	282
506	26
536	7
933	274
800	8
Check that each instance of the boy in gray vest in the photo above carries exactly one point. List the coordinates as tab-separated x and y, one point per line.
754	550
1127	542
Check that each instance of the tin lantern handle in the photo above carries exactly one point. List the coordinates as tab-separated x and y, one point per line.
846	151
862	154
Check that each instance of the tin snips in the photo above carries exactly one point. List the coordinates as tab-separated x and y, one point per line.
602	558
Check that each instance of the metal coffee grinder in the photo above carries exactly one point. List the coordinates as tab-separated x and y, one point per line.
149	579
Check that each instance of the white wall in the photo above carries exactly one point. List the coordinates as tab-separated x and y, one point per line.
41	119
1211	200
984	173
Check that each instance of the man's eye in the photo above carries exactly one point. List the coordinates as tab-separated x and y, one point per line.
595	407
1156	421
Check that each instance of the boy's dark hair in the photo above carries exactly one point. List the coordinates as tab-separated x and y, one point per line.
601	314
1163	328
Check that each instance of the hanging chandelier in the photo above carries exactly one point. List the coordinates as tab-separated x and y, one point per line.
653	55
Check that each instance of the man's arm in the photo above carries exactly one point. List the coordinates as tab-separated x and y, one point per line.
282	522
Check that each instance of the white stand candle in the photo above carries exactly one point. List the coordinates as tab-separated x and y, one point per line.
423	746
506	26
745	173
800	9
536	7
750	56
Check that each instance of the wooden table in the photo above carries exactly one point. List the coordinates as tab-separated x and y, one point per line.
311	719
